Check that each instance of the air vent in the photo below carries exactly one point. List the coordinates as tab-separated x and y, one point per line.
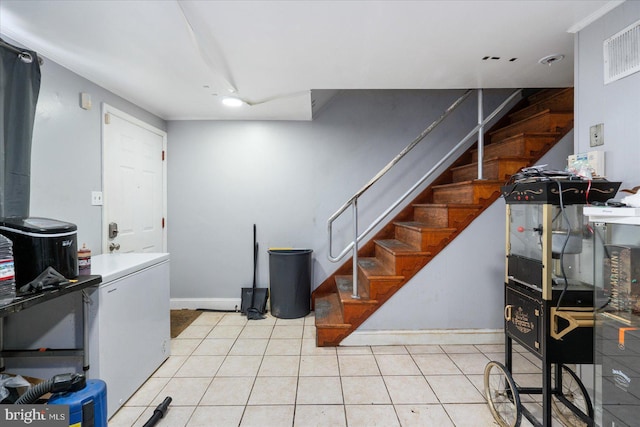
622	54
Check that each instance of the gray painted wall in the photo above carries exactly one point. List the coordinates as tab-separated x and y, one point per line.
616	104
66	157
288	178
462	287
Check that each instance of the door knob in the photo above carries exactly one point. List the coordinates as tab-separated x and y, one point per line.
114	246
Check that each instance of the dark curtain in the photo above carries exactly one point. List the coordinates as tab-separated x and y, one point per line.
20	86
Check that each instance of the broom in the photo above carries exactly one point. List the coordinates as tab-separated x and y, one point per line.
253	312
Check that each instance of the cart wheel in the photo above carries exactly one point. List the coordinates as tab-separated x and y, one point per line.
502	395
575	392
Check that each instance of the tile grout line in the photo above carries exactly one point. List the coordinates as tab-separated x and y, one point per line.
255	378
212	378
300	354
431	387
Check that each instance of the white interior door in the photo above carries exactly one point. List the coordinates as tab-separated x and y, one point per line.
134	184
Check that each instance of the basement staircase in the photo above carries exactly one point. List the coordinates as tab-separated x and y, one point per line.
436	216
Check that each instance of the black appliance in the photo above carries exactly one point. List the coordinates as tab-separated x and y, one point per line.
39	243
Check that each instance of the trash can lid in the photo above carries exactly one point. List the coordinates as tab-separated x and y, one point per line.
289	251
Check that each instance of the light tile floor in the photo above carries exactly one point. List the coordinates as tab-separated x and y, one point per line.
227	371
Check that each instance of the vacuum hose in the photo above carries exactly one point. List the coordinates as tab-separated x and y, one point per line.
57	384
159	412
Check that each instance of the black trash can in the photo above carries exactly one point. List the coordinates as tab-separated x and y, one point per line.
290	282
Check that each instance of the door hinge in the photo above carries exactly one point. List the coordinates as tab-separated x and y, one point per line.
536	312
163	155
162	222
537	344
107	119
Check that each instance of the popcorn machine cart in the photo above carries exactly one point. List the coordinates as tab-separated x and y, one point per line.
548	299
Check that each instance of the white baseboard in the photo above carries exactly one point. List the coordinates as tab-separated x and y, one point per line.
435	336
224	304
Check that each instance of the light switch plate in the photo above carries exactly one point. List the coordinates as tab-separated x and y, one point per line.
596	135
85	101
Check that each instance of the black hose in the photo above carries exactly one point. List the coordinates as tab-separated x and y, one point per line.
34	393
57	384
159	412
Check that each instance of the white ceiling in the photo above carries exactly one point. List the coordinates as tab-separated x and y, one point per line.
177	59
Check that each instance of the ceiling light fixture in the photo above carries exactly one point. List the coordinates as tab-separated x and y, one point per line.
232	101
551	59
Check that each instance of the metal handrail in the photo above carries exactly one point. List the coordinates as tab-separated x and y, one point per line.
384	170
403	153
353	201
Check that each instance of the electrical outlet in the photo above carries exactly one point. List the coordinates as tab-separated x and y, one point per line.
96	198
596	135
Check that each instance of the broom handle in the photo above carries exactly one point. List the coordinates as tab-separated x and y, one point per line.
255	256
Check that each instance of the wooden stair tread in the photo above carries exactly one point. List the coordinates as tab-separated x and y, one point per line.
487	182
421	226
519	136
398	248
530	135
519	122
448	205
444	215
345	290
561	100
499	167
374	269
544	94
328	313
493	160
470	191
532	118
526	144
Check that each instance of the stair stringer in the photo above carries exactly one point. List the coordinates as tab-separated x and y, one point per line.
459	291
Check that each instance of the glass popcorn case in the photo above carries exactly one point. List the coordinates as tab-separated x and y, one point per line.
616	272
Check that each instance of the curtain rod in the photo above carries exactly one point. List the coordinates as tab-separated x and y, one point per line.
23	54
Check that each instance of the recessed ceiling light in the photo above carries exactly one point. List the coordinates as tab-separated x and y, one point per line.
551	59
232	101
